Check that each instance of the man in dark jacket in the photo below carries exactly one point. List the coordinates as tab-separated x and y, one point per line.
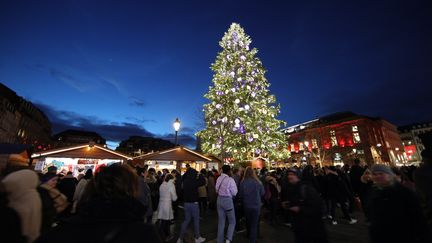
305	206
67	186
191	182
337	192
144	194
355	174
394	211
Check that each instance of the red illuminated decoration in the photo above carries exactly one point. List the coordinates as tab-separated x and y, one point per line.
410	150
341	142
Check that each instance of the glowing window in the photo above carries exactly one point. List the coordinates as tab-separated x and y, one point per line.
333	138
356	137
301	147
314	143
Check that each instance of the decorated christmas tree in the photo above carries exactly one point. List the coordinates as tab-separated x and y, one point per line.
241	116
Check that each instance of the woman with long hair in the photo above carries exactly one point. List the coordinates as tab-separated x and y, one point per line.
251	191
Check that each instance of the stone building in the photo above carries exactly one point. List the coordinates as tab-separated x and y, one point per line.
21	122
342	137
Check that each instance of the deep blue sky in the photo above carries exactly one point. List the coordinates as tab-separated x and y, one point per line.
130	68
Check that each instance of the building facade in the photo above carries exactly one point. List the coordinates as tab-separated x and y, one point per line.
137	145
342	137
21	122
413	145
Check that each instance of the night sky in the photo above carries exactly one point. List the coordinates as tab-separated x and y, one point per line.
125	68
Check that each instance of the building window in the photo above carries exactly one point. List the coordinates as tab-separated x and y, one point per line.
301	147
292	147
356	137
354	128
314	143
333	138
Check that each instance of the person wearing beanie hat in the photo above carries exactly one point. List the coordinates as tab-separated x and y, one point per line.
382	175
393	210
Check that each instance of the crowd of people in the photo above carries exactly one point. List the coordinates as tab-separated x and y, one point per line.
124	204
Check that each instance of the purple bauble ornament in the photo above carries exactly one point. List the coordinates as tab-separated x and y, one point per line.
235	36
242	129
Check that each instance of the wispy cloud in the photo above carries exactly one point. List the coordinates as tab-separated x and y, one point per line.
138	120
63	120
68	79
115	84
134	101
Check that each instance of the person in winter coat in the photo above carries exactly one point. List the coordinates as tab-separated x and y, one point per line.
338	193
152	182
355	174
365	190
272	196
423	182
144	195
79	190
191	182
305	206
67	186
10	223
25	200
110	212
53	201
202	192
250	193
211	190
394	211
178	186
167	195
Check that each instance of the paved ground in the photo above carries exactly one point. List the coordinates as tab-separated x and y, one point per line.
340	233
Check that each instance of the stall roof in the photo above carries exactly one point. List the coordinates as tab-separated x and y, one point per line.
83	151
179	153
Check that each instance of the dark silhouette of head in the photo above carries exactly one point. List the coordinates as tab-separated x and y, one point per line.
226	169
116	182
88	174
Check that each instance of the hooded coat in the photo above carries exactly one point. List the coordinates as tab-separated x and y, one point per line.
24	199
191	182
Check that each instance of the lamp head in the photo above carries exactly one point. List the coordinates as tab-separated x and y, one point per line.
176	125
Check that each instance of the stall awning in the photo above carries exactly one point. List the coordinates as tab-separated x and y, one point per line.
175	154
83	151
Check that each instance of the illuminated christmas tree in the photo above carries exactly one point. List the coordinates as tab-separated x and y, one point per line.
241	116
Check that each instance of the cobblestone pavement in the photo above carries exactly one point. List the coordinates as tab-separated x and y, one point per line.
340	233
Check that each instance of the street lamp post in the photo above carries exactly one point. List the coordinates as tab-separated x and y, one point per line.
176	126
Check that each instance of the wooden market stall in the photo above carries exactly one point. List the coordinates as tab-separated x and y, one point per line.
177	158
78	158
